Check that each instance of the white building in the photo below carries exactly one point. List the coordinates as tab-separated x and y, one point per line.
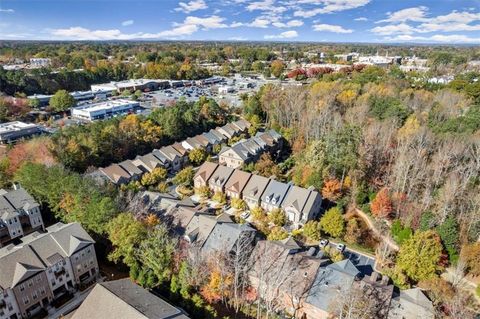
131	85
39	62
102	110
13	131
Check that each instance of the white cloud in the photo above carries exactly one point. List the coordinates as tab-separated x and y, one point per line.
289	24
361	19
438	38
7	10
408	14
331	28
284	35
191	6
237	39
270	6
327	6
127	23
390	29
189	26
259	23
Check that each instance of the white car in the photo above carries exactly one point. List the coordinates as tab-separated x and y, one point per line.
341	247
245	215
323	243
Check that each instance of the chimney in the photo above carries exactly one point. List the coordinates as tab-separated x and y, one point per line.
385	280
374	276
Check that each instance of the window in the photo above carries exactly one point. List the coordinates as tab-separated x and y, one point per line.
39	279
30	283
35	295
26	300
42	290
22	287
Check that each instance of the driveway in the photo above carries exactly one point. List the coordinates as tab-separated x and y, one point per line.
363	262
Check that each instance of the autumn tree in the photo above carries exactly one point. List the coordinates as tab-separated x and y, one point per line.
470	253
277	217
154	177
353	233
382	205
197	156
332	222
62	101
126	234
277	233
277	67
311	230
420	256
332	189
265	166
185	176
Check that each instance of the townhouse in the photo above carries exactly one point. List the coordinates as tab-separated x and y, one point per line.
299	204
125	299
44	267
172	157
249	150
236	183
219	178
19	214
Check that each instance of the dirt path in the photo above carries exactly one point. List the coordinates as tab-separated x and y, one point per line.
386	239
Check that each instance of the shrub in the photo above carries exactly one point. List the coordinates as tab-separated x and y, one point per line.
277	217
332	222
277	233
239	203
219	197
311	230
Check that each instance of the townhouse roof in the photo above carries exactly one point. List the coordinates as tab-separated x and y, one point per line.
211	138
237	181
130	168
123	299
275	193
202	140
297	198
179	148
14	199
205	171
170	152
252	146
220	176
160	156
238	149
148	161
242	124
267	138
255	187
220	137
115	173
39	250
331	280
202	225
411	303
224	236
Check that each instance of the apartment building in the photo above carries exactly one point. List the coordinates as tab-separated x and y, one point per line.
19	214
43	267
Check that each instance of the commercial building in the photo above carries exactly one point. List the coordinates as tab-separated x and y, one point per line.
102	110
131	85
11	132
40	62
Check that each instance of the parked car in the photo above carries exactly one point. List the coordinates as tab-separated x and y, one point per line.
323	243
341	247
245	215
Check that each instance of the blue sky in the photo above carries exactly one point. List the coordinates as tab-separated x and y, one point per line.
394	21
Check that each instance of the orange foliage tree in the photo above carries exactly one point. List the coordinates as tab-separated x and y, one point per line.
382	205
332	189
35	151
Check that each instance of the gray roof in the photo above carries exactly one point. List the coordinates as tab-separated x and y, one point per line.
238	149
221	175
149	161
161	157
410	304
331	280
252	146
218	135
275	193
194	142
123	299
212	138
170	152
242	124
130	168
39	250
297	197
225	235
19	199
255	187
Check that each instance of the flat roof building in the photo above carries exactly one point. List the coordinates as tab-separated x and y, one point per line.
12	131
102	110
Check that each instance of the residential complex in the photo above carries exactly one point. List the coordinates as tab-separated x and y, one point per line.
11	132
19	214
249	150
44	267
299	204
172	157
106	109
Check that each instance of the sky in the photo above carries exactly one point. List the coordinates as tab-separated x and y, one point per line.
372	21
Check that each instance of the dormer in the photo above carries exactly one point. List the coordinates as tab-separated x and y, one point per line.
274	200
267	199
